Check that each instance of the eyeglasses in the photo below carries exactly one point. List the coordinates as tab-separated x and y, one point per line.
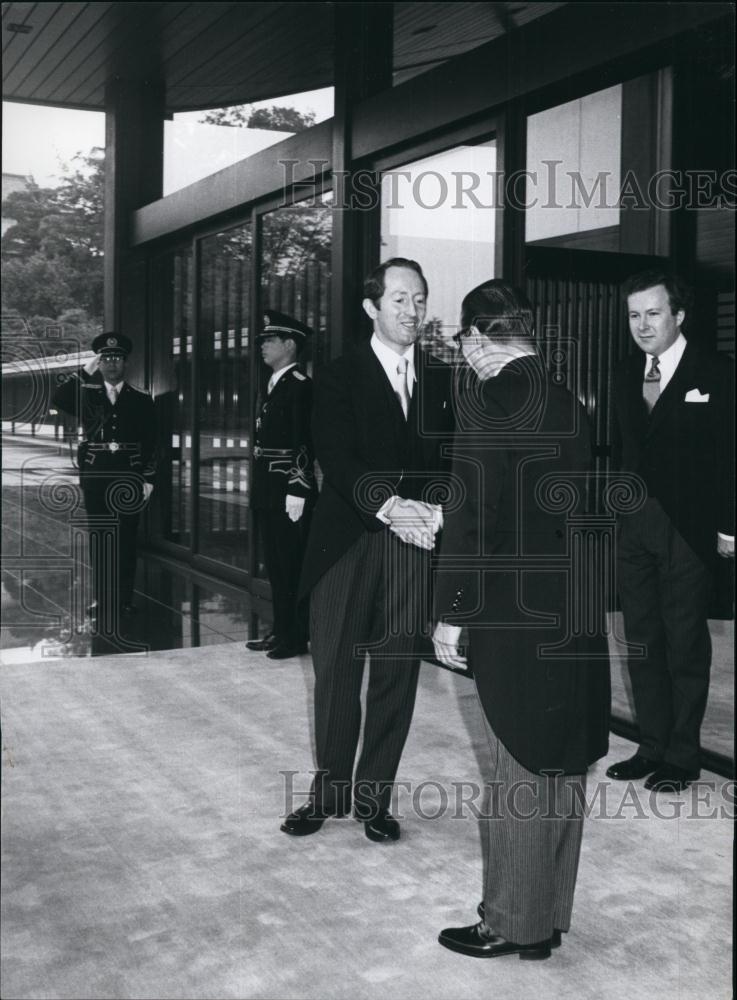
111	358
459	335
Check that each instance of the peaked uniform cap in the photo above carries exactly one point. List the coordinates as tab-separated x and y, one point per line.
281	325
106	343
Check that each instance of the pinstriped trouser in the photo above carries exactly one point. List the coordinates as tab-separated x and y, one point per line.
534	826
375	596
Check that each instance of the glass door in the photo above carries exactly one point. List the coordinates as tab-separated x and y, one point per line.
170	513
223	396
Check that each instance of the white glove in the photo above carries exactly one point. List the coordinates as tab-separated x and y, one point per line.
294	507
148	489
92	365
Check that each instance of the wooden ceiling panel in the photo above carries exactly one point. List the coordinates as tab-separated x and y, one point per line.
212	54
51	60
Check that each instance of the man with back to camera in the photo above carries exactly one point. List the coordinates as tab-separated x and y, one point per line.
283	488
674	412
503	572
117	462
381	411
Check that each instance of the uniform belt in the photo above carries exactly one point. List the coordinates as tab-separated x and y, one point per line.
259	452
111	446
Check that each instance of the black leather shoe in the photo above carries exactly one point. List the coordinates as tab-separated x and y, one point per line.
285	651
479	942
304	821
128	609
382	828
555	941
262	645
670	778
632	768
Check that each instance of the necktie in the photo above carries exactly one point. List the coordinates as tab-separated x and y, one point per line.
651	385
403	386
270	386
112	394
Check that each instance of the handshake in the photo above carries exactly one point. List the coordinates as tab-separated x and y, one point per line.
413	521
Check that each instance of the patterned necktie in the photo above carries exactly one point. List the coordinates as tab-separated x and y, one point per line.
651	385
403	386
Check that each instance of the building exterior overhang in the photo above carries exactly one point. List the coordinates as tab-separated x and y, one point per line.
205	54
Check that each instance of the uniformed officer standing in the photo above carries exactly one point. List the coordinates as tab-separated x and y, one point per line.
116	464
283	490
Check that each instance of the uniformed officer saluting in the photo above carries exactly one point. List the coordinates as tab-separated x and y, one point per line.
283	489
116	462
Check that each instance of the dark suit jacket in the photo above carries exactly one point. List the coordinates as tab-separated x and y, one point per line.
283	425
131	421
368	452
550	713
684	451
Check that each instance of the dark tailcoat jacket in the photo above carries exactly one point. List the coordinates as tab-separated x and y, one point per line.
368	451
283	459
130	423
683	449
551	713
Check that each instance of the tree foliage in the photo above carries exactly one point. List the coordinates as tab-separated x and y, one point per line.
52	254
276	118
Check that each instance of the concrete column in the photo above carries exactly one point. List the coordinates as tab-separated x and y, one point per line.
134	158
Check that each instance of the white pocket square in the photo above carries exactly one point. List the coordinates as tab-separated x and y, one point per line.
694	396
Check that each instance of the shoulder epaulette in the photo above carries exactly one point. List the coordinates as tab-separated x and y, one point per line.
135	388
298	375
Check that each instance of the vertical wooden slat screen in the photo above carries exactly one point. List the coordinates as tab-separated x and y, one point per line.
581	324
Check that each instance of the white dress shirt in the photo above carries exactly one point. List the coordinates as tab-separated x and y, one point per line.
109	387
277	375
668	361
390	359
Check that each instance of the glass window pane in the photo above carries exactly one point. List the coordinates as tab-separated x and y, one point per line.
224	359
199	143
171	347
440	212
573	161
296	244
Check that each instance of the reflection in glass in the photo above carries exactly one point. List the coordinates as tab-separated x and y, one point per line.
224	395
295	275
171	348
573	163
429	214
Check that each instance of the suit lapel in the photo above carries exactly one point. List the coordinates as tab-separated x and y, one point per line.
674	391
639	418
382	406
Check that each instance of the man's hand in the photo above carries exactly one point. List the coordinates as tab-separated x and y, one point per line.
414	522
445	640
294	507
725	547
92	365
148	489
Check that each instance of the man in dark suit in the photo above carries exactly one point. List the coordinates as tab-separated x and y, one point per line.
117	466
380	414
505	572
283	489
674	412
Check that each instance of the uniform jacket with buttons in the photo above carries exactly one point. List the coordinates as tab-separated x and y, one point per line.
130	423
283	459
506	571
